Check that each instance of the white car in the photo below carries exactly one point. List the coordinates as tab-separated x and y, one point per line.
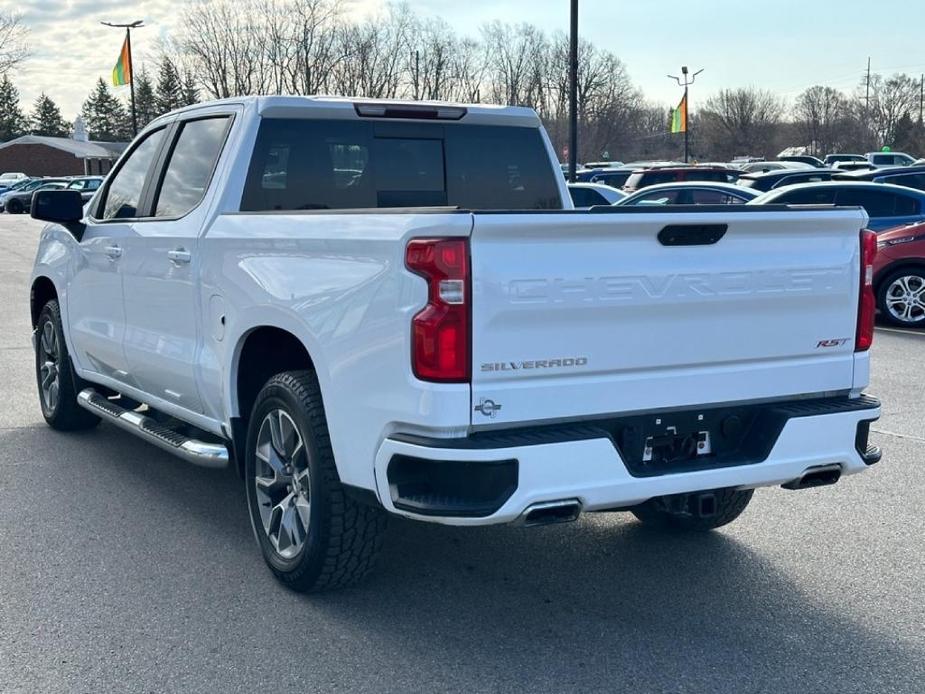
372	308
10	178
587	195
882	159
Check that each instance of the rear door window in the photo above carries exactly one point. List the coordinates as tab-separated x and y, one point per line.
876	203
309	164
807	196
586	197
190	167
916	181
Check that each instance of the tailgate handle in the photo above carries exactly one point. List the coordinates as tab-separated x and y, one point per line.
691	234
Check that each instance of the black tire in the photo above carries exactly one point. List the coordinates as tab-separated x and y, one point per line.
676	512
343	536
15	207
61	412
915	277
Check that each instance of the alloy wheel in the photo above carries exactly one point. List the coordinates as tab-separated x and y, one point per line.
49	363
905	298
282	483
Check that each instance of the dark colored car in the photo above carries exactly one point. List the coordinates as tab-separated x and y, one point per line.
20	200
899	275
909	176
769	180
671	174
886	205
615	178
804	159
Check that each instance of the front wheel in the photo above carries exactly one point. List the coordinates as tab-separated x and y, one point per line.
57	383
14	207
312	535
901	297
695	511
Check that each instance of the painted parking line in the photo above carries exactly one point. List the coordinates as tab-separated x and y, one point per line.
900	331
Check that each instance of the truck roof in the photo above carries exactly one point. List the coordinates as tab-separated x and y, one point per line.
349	107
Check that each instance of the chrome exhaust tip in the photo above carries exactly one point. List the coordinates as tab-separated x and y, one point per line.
549	512
819	476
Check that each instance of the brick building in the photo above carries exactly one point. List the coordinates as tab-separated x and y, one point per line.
38	155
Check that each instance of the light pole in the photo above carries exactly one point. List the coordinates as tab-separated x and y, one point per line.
131	80
686	83
573	93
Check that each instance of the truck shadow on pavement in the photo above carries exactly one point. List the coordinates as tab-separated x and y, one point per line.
600	605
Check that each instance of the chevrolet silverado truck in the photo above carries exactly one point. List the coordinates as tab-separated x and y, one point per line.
369	308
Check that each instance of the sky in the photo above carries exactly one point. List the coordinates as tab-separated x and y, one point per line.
785	46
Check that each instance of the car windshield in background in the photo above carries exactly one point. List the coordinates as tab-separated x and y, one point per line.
302	164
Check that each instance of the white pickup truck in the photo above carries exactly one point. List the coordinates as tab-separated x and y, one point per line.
374	308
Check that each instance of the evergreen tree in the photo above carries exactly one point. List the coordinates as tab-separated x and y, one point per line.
105	116
46	118
190	90
169	93
12	122
145	100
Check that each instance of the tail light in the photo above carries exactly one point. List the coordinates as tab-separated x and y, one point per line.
440	331
867	305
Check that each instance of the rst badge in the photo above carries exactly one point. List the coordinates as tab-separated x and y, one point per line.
837	342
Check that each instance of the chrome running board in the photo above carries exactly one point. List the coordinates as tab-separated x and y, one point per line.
211	455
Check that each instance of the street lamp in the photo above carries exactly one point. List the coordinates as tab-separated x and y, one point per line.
686	83
573	93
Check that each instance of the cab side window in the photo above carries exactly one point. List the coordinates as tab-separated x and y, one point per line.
124	193
190	167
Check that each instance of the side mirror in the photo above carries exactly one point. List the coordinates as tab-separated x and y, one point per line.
62	206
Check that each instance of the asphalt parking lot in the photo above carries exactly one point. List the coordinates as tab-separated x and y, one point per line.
125	570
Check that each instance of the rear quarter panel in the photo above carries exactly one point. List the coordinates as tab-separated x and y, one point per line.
339	284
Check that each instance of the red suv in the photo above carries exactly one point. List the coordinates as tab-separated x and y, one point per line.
899	275
649	177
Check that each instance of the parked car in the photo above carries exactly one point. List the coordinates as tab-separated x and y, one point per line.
759	166
831	159
667	174
19	200
615	178
804	159
603	164
11	178
586	195
429	341
909	176
890	159
853	165
690	193
887	205
899	275
87	185
768	180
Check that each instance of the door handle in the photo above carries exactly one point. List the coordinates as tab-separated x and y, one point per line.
179	256
114	252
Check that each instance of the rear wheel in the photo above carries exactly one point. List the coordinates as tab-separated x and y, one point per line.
57	383
312	535
694	511
901	298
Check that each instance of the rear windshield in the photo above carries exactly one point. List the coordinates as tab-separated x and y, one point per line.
310	164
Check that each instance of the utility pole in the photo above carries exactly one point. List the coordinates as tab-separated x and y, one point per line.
867	93
573	93
687	106
921	96
131	82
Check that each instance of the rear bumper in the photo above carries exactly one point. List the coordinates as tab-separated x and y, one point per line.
582	462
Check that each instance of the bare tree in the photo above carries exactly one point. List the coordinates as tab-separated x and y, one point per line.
820	114
741	121
13	48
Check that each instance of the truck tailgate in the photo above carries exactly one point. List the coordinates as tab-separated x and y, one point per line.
578	314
